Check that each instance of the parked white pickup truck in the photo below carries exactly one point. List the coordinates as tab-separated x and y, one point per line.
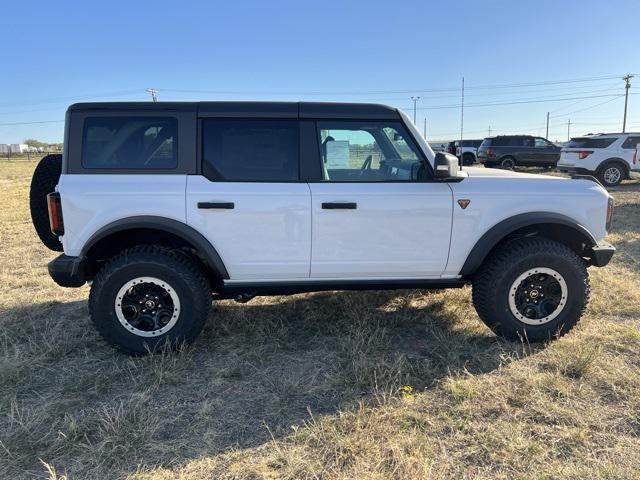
163	207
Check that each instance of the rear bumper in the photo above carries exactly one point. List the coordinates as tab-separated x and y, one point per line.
602	254
67	271
572	169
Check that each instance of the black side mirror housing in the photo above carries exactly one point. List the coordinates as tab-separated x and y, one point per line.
445	166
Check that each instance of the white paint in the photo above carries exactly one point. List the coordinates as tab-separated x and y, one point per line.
398	230
266	235
90	202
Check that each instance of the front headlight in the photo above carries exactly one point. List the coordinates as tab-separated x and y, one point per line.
610	205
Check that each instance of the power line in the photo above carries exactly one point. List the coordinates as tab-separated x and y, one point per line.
517	102
72	99
406	91
30	123
588	108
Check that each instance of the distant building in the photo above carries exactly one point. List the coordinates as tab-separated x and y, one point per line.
4	148
18	148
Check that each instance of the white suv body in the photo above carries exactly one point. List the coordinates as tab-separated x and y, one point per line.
609	156
468	152
243	199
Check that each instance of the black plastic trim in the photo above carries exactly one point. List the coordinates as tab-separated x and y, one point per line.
182	230
67	271
220	205
499	231
303	286
602	254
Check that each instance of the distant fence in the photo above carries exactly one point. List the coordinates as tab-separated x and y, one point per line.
24	157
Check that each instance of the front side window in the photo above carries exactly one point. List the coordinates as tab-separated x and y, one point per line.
130	143
541	143
247	150
368	152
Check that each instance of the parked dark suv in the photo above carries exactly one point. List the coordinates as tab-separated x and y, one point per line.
508	151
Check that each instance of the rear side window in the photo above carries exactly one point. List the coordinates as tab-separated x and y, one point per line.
250	150
588	142
631	142
130	143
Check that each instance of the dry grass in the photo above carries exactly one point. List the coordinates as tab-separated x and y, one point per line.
311	386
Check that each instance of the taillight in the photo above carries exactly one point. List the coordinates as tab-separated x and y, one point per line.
490	152
582	154
610	205
54	204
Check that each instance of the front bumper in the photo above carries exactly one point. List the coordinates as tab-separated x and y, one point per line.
67	271
602	253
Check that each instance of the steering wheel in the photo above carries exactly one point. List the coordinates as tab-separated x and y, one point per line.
366	165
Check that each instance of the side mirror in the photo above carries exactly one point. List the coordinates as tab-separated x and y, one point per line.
445	165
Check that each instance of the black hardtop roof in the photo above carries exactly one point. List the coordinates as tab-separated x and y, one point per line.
250	109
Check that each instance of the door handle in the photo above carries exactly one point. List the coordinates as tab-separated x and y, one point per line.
222	205
339	205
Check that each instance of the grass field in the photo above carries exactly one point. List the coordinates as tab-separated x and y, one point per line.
330	385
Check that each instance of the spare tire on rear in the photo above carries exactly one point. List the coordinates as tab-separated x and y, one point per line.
44	181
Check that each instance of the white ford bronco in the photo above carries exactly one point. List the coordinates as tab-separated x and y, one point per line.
164	207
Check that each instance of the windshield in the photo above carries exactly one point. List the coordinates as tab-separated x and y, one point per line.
422	143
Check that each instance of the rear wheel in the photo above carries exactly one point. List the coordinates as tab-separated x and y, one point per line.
147	298
533	289
44	181
507	163
611	174
468	159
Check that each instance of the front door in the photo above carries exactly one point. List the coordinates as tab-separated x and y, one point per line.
544	152
249	202
373	214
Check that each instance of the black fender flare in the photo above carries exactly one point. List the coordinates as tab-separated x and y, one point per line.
509	225
175	227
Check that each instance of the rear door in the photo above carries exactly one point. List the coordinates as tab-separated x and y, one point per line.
524	150
248	200
374	215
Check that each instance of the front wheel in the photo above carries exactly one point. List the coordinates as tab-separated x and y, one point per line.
533	289
149	297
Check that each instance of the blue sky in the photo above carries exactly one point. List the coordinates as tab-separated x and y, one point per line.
57	53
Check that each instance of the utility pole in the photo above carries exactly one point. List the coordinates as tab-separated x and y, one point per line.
627	86
461	122
547	135
568	130
425	128
154	93
415	101
489	131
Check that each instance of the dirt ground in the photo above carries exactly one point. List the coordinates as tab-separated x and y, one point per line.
404	384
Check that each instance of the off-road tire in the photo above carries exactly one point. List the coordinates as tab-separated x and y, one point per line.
605	179
496	275
44	181
181	272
